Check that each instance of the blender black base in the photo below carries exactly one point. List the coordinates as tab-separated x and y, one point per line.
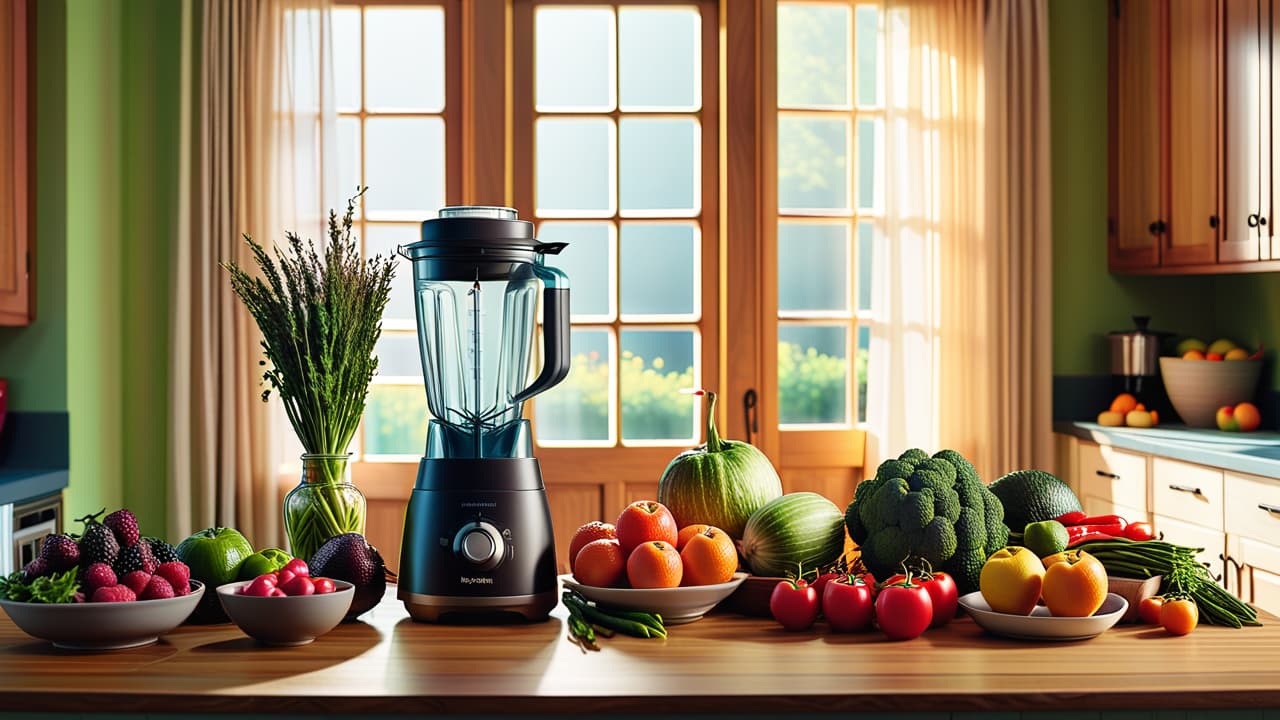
444	609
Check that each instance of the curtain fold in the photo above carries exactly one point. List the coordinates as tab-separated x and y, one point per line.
259	120
959	347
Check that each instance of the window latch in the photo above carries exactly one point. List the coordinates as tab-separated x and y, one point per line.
750	416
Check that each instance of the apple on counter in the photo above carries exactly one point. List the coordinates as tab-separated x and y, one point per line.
1243	417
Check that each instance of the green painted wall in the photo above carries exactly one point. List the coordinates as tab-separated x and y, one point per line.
34	358
1248	311
1087	301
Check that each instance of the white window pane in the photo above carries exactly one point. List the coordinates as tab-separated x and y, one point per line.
870	80
660	52
654	367
579	409
404	49
395	420
660	166
575	161
660	269
866	245
349	157
404	168
864	352
870	162
813	266
302	33
813	163
588	261
346	57
398	355
813	374
574	56
813	55
380	239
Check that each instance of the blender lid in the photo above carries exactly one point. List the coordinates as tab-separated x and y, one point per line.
479	231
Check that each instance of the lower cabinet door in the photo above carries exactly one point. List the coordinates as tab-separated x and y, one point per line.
1254	572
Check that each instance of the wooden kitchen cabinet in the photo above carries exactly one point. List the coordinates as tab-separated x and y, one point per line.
17	297
1192	208
1136	157
1246	111
1252	561
1111	482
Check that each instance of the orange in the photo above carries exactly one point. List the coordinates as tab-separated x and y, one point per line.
600	563
654	564
1123	403
644	521
687	532
1248	417
1076	586
595	530
708	558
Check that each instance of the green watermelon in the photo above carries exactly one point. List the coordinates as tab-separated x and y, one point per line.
795	533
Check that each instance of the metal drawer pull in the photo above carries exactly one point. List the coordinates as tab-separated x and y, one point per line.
1269	508
1105	474
1186	489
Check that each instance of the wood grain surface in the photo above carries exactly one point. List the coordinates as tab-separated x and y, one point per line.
722	663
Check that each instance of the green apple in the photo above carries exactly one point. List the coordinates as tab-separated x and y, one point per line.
264	561
1221	346
214	555
1190	344
1227	419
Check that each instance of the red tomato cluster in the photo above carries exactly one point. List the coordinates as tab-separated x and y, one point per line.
903	607
292	579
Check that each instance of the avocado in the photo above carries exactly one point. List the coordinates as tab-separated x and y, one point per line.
351	558
1031	496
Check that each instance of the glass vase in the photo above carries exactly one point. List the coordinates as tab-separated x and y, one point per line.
324	505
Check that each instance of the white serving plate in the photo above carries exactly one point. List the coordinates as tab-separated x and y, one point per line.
1040	624
103	626
676	605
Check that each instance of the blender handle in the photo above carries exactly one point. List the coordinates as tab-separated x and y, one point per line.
555	343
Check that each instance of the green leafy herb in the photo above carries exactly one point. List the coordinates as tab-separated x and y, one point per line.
319	323
56	588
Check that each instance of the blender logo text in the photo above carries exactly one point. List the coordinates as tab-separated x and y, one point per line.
476	580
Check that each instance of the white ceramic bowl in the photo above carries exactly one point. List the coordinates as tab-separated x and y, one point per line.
676	605
295	620
103	626
1197	388
1040	624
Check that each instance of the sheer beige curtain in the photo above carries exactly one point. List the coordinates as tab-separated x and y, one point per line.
959	345
257	93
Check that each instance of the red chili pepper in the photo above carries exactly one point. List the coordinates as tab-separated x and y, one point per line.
1112	529
1075	517
1104	520
1089	537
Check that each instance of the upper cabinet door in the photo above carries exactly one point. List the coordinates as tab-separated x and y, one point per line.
1136	96
16	305
1192	234
1244	115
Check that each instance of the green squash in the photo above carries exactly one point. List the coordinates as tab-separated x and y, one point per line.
720	483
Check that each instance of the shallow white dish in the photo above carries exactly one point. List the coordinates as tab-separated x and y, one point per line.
676	605
103	626
1040	625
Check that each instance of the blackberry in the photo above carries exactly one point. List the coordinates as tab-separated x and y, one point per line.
125	525
61	552
162	551
98	544
134	558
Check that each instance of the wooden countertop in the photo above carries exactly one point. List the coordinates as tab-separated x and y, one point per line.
722	663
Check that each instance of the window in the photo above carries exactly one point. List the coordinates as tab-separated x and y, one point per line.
397	132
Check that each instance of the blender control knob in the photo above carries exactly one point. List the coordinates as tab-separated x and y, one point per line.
480	544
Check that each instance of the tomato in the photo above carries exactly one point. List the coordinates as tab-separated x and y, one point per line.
260	586
942	592
1179	616
322	585
299	585
1139	531
1149	610
820	584
847	604
904	611
794	604
284	575
297	566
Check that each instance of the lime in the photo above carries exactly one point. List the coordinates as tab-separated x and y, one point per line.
262	562
214	555
1045	538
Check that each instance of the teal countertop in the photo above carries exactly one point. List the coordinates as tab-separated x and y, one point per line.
1255	453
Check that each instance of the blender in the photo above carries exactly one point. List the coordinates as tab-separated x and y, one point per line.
478	540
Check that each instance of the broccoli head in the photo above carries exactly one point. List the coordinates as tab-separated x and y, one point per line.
934	508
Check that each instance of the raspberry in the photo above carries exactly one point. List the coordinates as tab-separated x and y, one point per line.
115	593
96	576
125	526
178	575
157	589
137	557
136	580
61	552
98	544
34	569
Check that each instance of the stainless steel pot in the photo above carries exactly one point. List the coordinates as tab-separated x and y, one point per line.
1135	352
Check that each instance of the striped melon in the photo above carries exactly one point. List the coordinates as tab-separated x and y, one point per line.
795	533
720	484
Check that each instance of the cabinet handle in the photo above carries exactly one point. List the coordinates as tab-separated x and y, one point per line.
1273	509
1105	474
1213	221
1161	227
1253	220
749	415
1186	489
1262	219
1227	562
1154	228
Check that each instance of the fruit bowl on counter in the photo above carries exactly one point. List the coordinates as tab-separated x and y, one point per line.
1198	388
1041	624
103	625
286	619
676	605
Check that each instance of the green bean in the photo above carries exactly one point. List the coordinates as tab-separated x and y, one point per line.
600	617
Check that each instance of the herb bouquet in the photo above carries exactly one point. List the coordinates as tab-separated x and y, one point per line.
319	317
